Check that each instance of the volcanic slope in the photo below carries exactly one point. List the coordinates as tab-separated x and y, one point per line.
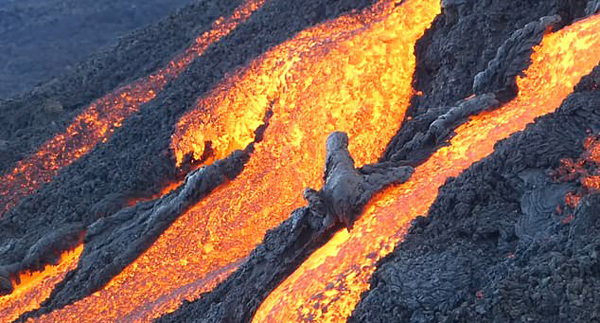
136	160
236	216
114	166
497	239
210	306
31	118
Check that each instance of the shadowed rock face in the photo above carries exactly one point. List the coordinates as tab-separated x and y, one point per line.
6	286
464	41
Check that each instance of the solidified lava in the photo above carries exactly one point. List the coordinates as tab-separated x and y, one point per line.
481	208
101	118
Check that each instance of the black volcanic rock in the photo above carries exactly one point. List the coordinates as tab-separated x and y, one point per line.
42	37
136	160
524	262
347	190
25	121
461	43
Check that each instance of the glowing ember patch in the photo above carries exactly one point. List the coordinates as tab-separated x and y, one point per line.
586	170
104	116
339	75
35	287
558	64
572	200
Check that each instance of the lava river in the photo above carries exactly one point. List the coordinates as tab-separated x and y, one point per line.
94	125
327	286
97	123
351	74
33	288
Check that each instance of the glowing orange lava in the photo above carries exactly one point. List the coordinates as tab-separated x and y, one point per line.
327	286
585	170
104	116
351	74
33	288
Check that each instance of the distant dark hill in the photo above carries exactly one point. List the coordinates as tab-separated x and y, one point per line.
40	38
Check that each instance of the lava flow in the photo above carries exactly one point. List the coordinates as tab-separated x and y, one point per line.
33	288
327	286
105	115
351	74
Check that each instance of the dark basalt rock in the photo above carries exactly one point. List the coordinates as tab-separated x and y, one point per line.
526	263
27	123
347	190
46	250
42	38
136	160
115	241
490	40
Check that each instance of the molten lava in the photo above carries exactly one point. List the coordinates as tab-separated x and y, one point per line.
351	74
327	286
104	116
31	289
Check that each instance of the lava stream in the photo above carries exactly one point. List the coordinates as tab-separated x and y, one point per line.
35	287
327	286
351	74
105	115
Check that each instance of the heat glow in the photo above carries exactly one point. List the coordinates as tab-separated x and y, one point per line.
585	170
351	74
99	121
327	287
33	288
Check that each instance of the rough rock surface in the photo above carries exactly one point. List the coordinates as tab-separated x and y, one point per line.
114	242
461	43
136	160
26	123
494	247
347	190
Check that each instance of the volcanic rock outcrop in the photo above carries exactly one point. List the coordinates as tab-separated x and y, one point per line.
346	190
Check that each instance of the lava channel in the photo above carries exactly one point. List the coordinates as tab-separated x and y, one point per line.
351	74
327	286
99	121
32	288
